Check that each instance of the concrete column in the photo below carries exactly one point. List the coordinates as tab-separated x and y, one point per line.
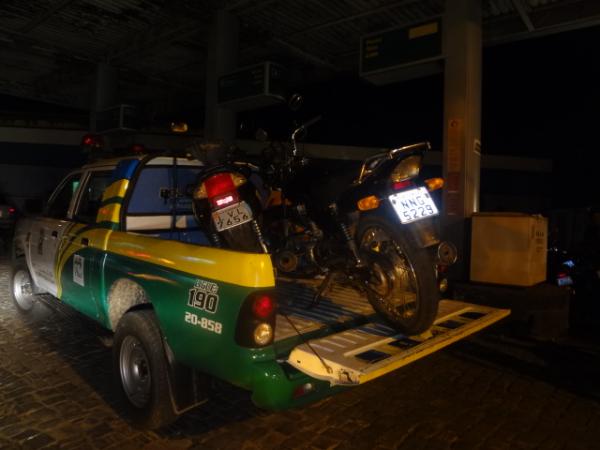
220	123
462	123
103	92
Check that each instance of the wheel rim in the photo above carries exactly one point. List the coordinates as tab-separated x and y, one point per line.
393	279
135	371
22	290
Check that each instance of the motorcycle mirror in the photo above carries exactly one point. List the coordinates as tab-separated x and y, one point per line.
295	102
261	135
302	134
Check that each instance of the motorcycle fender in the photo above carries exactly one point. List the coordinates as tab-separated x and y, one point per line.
424	232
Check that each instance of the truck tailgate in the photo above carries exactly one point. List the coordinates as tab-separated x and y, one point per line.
357	354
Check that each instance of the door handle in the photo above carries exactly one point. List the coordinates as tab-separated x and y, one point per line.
54	234
85	241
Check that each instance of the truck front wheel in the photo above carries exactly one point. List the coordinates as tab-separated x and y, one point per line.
141	370
22	288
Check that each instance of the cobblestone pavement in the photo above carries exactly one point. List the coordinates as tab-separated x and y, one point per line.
493	391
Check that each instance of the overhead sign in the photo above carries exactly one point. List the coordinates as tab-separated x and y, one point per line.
400	54
252	87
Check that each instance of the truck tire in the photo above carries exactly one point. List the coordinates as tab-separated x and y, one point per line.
21	288
141	370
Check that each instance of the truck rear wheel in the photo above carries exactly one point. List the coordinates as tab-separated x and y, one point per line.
21	287
141	370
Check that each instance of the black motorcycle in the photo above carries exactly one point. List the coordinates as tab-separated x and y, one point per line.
373	229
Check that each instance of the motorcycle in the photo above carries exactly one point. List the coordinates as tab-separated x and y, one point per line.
373	230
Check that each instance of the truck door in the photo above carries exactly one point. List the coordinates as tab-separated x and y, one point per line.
78	260
47	232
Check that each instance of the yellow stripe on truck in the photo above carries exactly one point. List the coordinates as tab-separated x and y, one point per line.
109	213
243	269
116	189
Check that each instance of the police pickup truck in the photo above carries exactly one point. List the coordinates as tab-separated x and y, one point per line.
118	242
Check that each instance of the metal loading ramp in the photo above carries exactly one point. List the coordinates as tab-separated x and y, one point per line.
364	352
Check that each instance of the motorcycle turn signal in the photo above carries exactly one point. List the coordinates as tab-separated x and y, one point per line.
368	203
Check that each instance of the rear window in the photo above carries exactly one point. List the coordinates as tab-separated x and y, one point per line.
156	186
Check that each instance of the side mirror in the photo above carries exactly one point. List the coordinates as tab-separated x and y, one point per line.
295	102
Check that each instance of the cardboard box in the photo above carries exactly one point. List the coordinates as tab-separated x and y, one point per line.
509	248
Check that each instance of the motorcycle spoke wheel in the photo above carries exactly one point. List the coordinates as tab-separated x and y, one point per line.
395	285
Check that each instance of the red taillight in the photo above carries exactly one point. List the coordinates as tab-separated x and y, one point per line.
219	184
137	148
263	307
92	140
303	389
12	210
401	185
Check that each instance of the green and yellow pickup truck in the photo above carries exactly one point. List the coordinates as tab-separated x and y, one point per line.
118	242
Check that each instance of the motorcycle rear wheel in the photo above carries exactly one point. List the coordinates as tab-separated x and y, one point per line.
402	285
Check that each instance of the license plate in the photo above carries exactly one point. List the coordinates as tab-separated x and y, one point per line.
232	216
413	205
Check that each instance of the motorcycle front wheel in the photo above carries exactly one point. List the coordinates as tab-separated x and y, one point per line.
401	283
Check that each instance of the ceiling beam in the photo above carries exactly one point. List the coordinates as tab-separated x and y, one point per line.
24	38
317	60
518	4
252	9
45	15
353	17
153	40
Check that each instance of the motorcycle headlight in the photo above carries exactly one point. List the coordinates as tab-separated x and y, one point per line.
406	169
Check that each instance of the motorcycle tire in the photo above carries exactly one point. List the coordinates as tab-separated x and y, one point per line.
242	238
401	286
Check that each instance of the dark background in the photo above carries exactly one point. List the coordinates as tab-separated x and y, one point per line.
539	99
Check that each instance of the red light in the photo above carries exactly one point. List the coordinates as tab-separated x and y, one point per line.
91	140
402	184
219	184
561	275
263	307
138	148
303	389
12	210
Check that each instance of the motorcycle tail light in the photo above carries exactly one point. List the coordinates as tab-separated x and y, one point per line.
219	184
433	184
12	210
402	185
221	189
406	169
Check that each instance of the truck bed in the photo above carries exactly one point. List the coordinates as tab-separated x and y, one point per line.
359	345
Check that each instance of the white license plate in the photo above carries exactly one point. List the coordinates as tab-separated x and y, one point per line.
232	216
413	205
